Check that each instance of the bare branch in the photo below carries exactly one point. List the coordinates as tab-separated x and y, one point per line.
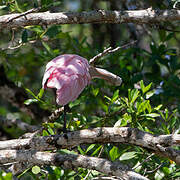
23	14
147	16
56	114
69	161
158	144
108	51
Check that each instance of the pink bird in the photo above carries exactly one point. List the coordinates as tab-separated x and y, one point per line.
69	74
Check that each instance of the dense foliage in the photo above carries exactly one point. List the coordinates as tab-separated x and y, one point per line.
148	98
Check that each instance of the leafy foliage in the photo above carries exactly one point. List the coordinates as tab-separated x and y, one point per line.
148	98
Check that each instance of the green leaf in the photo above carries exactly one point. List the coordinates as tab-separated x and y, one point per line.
166	113
128	155
115	96
53	31
162	35
97	150
24	36
3	7
104	106
118	123
108	98
169	36
45	133
127	118
166	170
90	147
37	29
36	97
142	86
17	7
30	92
177	174
149	94
66	151
48	48
81	151
142	106
36	169
153	115
95	91
114	153
158	107
50	130
147	88
149	107
40	94
30	101
159	175
133	95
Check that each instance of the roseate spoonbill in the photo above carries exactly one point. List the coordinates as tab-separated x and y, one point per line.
69	74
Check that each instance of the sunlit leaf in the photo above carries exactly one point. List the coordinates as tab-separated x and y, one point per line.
153	115
158	107
128	155
81	151
41	92
159	175
90	147
95	91
36	169
115	96
114	153
30	101
150	94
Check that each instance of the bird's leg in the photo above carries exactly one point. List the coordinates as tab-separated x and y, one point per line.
66	109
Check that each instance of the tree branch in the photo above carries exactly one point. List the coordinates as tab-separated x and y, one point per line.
147	16
69	161
158	144
108	51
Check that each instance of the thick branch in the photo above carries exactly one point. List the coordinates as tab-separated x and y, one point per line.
70	161
147	16
159	144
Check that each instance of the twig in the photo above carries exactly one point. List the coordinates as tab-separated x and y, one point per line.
23	14
92	60
55	114
107	178
108	51
149	172
144	161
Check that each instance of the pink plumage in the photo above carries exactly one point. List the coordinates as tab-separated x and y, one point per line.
69	75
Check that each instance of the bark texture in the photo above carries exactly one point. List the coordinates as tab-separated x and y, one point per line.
147	16
161	144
